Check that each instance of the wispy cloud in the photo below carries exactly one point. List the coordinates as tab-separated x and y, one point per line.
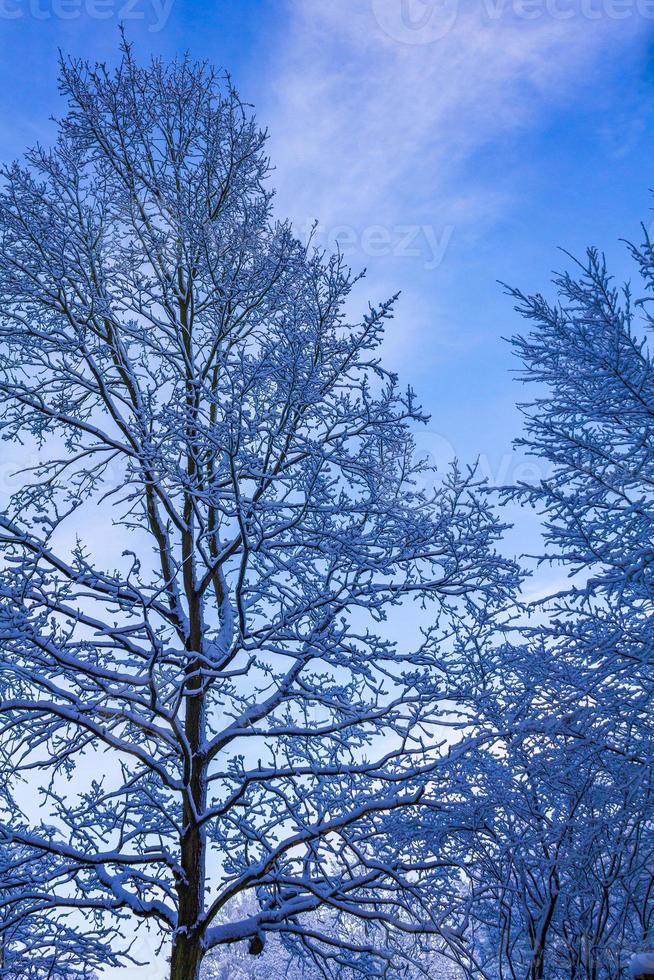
378	110
374	114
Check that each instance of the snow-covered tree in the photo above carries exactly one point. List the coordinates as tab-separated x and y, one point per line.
590	357
561	852
573	857
554	832
207	667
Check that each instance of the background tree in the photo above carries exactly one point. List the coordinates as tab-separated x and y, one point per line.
223	523
590	710
551	830
564	788
283	958
592	423
560	848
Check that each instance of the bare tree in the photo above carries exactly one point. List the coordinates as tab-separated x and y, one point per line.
552	830
562	848
223	511
590	354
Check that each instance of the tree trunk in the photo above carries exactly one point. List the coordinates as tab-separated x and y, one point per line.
188	948
186	958
537	971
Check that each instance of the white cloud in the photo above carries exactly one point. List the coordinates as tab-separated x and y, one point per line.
367	128
371	130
